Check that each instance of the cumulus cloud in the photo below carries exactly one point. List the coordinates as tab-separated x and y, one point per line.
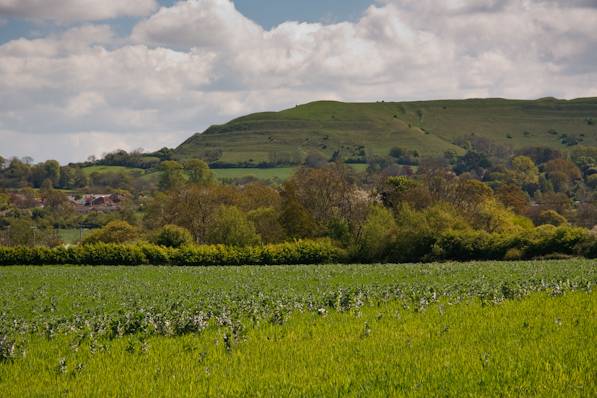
200	62
75	10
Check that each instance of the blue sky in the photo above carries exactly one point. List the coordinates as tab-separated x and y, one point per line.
86	77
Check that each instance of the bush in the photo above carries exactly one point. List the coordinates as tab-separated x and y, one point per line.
113	232
470	245
172	236
377	235
587	247
299	252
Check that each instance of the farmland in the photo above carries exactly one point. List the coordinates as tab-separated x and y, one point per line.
455	329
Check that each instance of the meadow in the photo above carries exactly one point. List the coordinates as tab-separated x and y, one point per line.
450	329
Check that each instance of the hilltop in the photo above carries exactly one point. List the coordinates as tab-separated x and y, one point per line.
357	130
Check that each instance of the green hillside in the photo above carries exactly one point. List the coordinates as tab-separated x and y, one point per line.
357	130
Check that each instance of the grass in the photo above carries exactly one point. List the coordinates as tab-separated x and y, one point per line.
453	329
279	173
112	169
430	127
71	235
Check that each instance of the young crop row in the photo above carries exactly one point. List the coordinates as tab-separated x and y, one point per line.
113	302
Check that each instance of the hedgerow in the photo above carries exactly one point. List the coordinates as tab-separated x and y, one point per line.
299	252
452	245
538	242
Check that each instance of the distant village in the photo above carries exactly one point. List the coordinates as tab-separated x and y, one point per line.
82	203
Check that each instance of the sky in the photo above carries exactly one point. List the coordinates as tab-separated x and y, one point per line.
85	77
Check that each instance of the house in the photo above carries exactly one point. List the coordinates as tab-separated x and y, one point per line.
96	202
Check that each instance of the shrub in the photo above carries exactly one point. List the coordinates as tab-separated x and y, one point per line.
113	232
551	217
513	254
587	247
377	235
470	245
172	236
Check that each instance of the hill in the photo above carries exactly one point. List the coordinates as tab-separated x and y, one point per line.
358	130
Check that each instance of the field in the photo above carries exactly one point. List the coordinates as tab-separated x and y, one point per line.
429	127
452	329
72	235
112	169
280	173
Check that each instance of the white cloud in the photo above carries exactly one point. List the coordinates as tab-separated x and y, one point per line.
75	10
202	62
198	23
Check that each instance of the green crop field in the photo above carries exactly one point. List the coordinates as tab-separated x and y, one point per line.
451	329
430	127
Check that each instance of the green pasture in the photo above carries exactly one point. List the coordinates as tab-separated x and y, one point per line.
277	173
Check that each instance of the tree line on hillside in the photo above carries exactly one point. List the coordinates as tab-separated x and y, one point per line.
403	203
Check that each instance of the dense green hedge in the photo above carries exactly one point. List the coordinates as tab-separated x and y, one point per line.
299	252
538	242
459	246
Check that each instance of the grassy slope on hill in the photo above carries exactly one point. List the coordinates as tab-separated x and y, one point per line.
430	127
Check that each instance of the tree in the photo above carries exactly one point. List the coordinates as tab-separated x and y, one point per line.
512	196
325	192
551	217
472	161
16	175
267	224
232	227
172	236
565	167
192	207
559	181
401	189
541	154
21	233
315	160
258	195
468	195
49	170
198	171
592	181
53	199
113	232
523	171
81	179
172	177
404	156
494	217
295	218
